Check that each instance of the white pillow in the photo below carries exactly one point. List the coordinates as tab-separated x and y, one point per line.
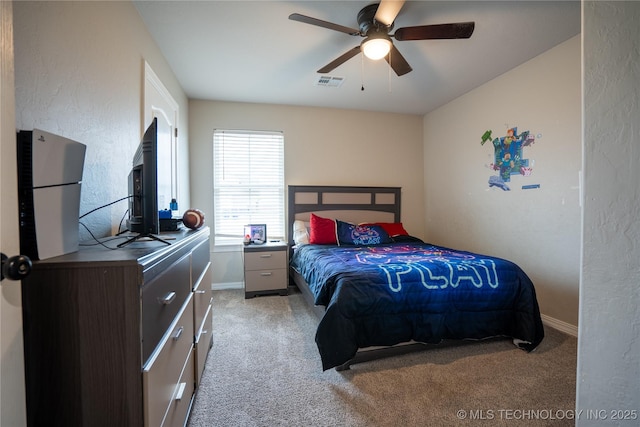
300	233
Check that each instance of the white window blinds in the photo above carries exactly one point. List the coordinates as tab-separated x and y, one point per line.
248	182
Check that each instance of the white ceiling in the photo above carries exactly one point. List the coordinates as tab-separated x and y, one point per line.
249	51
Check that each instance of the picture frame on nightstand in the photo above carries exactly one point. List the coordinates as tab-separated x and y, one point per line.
257	233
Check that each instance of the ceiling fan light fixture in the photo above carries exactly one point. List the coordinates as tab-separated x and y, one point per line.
375	21
376	46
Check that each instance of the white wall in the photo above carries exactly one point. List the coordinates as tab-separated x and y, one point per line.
609	332
539	229
80	74
322	147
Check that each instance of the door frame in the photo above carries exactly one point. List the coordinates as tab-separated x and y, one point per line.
158	101
13	410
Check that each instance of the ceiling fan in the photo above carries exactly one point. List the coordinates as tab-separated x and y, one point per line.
375	21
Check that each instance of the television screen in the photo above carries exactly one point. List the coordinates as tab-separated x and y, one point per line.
143	187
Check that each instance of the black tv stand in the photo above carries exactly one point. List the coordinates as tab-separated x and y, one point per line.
142	236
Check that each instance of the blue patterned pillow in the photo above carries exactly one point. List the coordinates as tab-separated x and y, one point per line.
352	234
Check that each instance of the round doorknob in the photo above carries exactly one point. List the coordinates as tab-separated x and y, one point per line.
16	267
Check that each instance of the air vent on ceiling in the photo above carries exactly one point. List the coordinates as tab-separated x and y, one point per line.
329	81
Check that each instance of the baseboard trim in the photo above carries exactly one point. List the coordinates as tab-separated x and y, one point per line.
228	285
565	327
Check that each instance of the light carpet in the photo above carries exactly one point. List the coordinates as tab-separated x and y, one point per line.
264	370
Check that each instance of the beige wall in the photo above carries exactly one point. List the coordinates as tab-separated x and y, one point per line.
80	74
539	229
322	146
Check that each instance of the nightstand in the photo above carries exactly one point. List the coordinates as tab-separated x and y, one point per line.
266	269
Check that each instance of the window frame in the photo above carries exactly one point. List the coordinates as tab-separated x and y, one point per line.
263	183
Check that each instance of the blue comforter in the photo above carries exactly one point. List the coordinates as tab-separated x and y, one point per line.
387	294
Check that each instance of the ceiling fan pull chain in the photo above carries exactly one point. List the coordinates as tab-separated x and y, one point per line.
362	72
389	72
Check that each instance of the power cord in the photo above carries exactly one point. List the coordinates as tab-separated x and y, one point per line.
98	242
102	243
104	206
120	231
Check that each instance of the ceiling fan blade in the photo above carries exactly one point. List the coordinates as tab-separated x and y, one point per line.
388	10
460	30
324	24
340	60
397	62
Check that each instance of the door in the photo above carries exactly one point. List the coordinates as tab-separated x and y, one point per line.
12	388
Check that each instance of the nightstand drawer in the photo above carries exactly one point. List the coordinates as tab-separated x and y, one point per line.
263	280
265	260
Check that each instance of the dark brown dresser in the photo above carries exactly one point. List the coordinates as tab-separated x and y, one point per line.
118	337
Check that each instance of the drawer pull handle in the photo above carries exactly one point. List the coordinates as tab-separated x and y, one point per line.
168	298
265	256
268	273
201	292
178	333
180	392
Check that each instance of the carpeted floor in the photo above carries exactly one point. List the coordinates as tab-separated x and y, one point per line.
264	370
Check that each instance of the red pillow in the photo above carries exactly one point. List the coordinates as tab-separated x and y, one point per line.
393	228
322	231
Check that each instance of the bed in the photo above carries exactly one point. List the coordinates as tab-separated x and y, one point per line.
377	290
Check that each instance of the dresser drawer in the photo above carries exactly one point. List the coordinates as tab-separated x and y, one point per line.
163	373
162	298
204	340
265	280
199	261
265	260
179	406
202	298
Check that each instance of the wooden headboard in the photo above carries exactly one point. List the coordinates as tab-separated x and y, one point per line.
350	204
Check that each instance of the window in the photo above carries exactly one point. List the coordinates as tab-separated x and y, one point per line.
248	183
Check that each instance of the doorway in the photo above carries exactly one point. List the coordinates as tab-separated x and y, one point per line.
158	103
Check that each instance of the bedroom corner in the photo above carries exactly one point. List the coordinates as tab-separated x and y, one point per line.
535	220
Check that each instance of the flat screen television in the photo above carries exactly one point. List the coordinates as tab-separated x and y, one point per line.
143	188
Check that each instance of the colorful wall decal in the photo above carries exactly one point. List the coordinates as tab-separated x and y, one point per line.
508	156
497	181
486	137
